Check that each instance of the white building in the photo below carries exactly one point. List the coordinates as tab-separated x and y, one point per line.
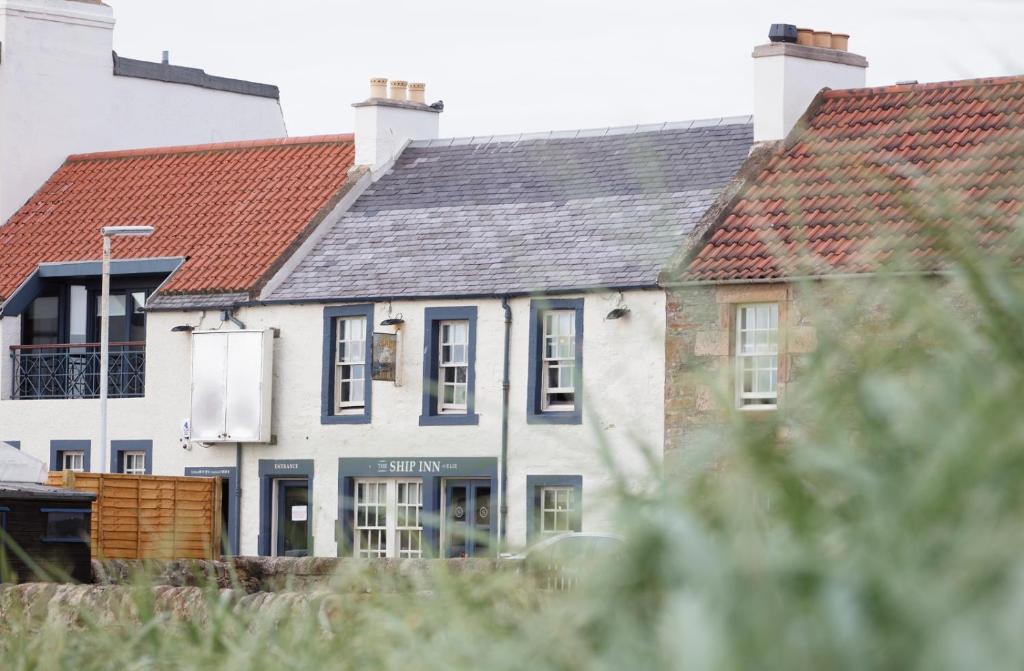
452	335
64	91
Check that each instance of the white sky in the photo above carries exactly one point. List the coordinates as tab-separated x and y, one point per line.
532	65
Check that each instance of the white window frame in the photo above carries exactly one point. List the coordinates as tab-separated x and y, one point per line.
388	538
444	346
750	356
554	358
136	468
554	505
73	460
350	357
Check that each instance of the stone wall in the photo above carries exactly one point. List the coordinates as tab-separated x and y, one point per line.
700	341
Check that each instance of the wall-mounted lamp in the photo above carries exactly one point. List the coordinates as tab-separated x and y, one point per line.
393	321
183	328
618	313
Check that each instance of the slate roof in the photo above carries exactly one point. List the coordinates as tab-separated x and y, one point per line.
514	215
232	210
876	176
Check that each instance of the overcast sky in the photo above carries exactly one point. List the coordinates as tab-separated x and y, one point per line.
531	65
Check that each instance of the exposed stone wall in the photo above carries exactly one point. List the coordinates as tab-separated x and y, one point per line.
701	340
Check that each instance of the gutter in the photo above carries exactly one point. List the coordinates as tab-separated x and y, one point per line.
789	279
503	510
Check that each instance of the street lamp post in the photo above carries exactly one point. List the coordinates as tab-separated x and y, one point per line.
108	233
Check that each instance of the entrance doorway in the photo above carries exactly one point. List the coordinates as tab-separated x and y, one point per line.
468	516
292	518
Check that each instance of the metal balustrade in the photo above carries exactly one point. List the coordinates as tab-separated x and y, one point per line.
67	371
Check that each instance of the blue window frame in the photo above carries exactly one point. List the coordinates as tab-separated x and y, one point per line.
118	448
554	504
556	358
331	383
59	447
449	367
67	525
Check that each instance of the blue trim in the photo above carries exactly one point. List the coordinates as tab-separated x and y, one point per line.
79	511
229	473
118	447
430	469
327	415
119	267
19	301
534	483
23	296
281	469
16	444
431	337
534	414
4	509
282	486
59	447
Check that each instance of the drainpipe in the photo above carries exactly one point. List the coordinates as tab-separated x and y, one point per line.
504	420
236	537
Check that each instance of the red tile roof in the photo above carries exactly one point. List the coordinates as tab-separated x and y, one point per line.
232	210
872	176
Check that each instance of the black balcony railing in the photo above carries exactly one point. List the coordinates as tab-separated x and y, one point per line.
73	370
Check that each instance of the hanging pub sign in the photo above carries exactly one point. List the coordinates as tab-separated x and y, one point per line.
385	357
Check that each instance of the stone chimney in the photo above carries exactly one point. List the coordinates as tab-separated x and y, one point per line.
384	124
792	69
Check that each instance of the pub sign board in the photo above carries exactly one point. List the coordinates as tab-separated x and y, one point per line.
385	357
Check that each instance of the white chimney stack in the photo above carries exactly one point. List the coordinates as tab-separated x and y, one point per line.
384	123
792	69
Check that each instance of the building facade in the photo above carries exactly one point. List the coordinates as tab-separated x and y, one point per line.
64	91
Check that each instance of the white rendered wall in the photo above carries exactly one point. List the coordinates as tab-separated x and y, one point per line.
382	130
623	388
785	85
59	96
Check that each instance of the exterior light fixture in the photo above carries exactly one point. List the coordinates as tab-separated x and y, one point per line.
108	233
618	313
393	321
183	328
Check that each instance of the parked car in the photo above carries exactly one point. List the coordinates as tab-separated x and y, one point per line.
560	561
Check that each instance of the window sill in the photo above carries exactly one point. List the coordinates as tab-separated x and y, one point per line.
362	418
574	417
450	420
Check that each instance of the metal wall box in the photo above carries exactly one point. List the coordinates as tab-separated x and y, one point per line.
232	373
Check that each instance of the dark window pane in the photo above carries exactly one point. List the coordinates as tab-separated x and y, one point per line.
68	526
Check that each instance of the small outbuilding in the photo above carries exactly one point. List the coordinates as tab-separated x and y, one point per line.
44	531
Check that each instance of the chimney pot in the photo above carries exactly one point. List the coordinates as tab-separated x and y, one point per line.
782	32
841	41
418	92
823	39
165	57
805	36
379	87
398	87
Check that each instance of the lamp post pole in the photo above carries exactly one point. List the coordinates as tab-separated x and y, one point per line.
104	351
108	233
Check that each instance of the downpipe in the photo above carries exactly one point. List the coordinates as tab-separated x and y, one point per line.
503	510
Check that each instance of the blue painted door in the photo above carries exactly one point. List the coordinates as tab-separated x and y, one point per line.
467	518
292	518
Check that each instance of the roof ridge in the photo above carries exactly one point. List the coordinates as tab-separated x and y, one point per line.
585	132
927	86
215	146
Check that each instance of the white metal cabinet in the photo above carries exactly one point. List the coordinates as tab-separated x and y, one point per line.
231	386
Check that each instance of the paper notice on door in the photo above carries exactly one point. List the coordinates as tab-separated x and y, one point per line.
299	513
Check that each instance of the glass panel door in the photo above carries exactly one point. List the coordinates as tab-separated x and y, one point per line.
468	518
292	518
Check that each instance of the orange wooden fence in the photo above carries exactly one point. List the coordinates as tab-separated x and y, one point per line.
150	516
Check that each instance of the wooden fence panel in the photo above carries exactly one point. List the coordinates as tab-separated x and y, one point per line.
150	516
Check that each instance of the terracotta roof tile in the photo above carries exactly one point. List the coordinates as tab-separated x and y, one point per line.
231	209
854	187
